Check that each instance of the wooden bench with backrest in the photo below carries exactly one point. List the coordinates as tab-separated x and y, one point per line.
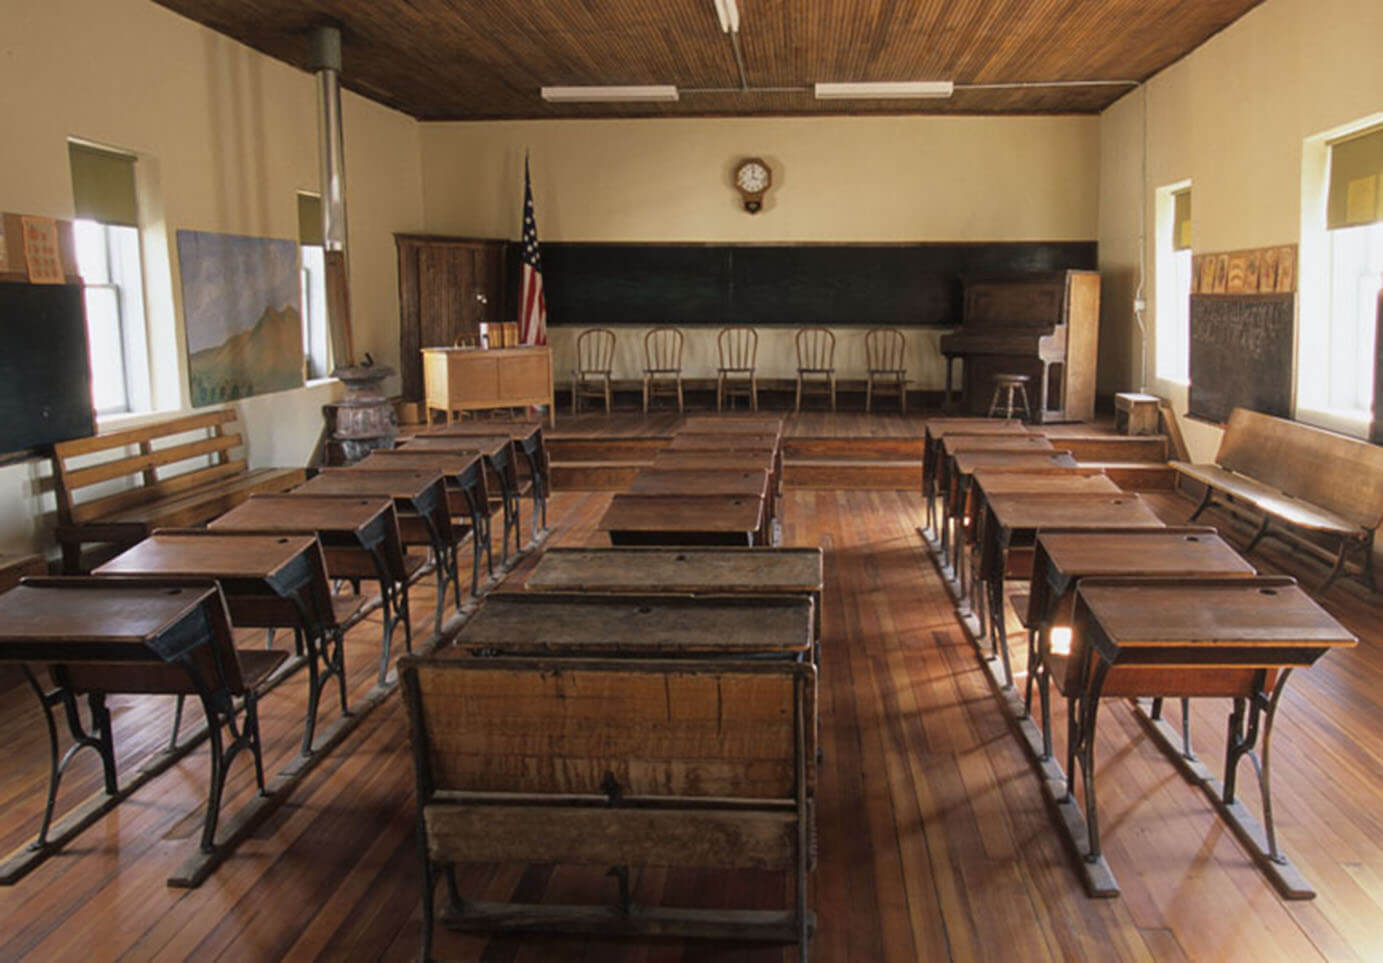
1301	478
695	764
118	486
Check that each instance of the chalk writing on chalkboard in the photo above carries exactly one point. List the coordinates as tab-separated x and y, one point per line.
1241	354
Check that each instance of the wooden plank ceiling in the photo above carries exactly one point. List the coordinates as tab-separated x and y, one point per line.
476	59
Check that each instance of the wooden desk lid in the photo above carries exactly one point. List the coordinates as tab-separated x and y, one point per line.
678	481
303	513
683	513
1262	610
1142	551
461	444
352	481
209	555
967	461
734	461
113	611
445	462
730	441
1065	510
643	624
655	569
952	444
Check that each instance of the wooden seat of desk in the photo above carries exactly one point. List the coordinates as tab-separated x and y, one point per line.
729	442
152	678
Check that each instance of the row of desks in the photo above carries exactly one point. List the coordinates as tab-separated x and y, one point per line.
1118	605
718	482
158	618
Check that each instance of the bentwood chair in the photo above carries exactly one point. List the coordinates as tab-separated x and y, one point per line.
595	356
816	359
883	349
662	358
739	350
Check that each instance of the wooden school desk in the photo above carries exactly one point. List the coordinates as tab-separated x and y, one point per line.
1013	520
1170	638
105	636
420	499
1062	557
360	540
468	497
1001	481
502	465
754	484
683	520
935	430
269	581
958	469
734	443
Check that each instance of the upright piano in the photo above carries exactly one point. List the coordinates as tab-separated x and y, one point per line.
1045	326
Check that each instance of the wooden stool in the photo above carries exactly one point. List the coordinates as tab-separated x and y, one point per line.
1008	384
1136	413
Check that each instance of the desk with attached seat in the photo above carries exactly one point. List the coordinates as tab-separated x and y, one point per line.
1237	638
684	520
936	429
360	540
269	581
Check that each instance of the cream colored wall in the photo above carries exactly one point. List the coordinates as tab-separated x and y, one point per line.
836	179
1232	118
225	138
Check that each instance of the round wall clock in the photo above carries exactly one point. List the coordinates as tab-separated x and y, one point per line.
753	177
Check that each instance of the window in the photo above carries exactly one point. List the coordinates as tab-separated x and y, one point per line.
108	257
1173	324
314	286
1337	354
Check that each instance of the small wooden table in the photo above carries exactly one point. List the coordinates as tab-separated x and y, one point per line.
360	540
683	520
137	636
1013	521
269	581
1061	558
473	379
1238	638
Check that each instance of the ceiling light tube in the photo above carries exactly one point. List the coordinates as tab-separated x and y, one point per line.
905	90
572	95
729	13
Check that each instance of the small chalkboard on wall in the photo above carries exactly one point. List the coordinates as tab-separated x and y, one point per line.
1243	320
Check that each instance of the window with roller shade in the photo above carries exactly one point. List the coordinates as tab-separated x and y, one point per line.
1173	268
106	230
314	286
1337	358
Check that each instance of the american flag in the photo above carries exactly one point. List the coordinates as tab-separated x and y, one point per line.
532	303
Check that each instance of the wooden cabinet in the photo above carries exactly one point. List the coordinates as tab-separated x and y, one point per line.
470	379
442	281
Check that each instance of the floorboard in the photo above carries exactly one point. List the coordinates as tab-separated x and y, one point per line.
935	841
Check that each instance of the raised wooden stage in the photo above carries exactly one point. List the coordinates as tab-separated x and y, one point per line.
935	841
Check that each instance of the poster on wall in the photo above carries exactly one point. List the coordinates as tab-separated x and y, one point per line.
242	304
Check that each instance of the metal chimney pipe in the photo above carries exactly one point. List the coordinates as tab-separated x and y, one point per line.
326	62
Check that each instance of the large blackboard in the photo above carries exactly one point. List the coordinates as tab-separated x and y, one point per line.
45	380
1241	354
782	284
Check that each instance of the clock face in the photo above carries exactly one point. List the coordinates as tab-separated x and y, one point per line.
752	177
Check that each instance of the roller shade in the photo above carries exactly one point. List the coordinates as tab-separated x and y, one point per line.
1356	181
1181	220
103	185
309	219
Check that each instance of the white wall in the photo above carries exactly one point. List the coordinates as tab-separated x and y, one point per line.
225	138
1232	118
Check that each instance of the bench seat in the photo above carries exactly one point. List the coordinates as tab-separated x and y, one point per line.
1326	485
119	486
1268	499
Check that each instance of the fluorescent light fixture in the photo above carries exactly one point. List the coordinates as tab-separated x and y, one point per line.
905	90
574	95
729	13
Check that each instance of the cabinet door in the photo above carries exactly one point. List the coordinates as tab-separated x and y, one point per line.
446	279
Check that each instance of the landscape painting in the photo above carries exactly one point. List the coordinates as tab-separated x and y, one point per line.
242	302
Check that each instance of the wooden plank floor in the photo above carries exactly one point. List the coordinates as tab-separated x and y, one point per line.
934	839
